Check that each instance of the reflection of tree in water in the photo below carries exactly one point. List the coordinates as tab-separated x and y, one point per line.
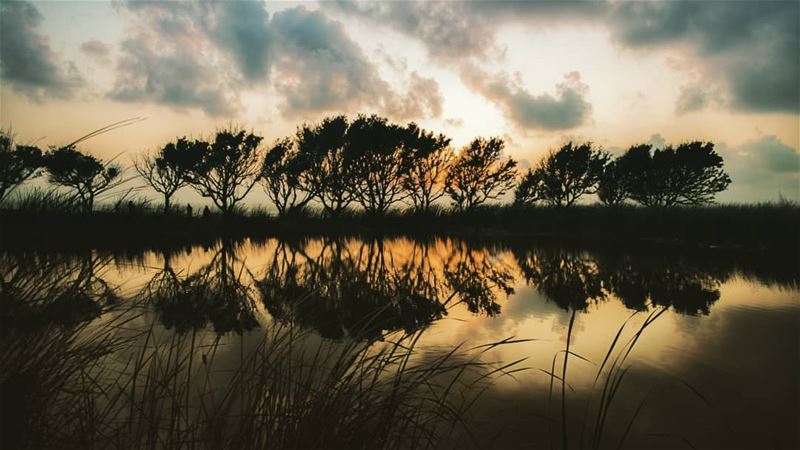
664	282
568	278
341	293
475	279
44	290
215	294
573	279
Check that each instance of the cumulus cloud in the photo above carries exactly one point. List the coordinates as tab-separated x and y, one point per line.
773	155
447	28
26	60
751	48
568	108
167	58
196	54
320	68
761	168
241	29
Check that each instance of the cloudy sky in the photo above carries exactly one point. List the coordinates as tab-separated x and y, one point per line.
537	73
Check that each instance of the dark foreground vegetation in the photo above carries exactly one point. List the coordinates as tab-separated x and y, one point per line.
756	227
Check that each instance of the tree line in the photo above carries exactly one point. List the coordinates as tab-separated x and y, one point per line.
377	165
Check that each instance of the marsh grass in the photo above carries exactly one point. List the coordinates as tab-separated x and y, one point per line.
29	217
108	382
593	427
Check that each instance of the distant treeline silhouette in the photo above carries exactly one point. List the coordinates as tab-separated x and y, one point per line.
377	165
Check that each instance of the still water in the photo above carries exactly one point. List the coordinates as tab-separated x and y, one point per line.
668	348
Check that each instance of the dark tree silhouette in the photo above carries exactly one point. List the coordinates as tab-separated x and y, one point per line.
283	177
690	174
17	163
379	162
167	170
87	175
328	172
612	188
430	157
479	174
226	169
563	176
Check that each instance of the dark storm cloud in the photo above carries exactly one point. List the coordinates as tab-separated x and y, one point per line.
567	109
26	59
312	62
751	47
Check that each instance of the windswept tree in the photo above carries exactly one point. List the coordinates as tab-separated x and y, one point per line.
563	176
85	174
690	174
328	172
479	173
430	157
378	161
283	177
17	163
226	169
167	170
612	188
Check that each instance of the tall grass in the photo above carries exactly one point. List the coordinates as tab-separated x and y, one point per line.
589	425
106	385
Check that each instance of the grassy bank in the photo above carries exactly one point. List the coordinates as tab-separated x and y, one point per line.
761	226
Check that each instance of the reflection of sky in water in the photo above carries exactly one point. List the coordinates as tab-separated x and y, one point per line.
742	356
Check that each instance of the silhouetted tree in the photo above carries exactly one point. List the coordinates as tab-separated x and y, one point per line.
226	169
379	162
690	174
87	175
17	163
283	176
167	170
328	172
563	176
479	174
612	188
430	157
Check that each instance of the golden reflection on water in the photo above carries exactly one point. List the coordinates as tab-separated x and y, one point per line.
730	329
514	307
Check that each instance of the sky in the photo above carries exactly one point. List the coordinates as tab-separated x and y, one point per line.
537	73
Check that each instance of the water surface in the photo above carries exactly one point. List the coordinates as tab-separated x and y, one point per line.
716	365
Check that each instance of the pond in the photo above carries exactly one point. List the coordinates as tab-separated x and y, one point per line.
398	343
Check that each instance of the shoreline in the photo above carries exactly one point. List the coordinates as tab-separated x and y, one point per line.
772	228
